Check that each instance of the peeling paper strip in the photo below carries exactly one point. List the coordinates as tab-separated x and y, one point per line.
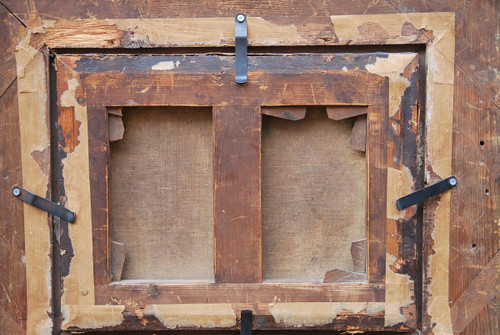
398	293
92	317
393	67
399	184
204	31
312	314
440	49
193	315
79	283
34	137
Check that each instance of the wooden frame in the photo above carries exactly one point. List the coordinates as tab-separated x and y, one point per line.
76	81
394	30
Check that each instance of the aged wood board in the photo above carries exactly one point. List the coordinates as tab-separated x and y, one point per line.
474	204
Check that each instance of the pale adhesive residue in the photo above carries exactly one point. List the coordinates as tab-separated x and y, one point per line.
68	97
439	308
92	317
24	54
373	308
438	268
391	25
393	67
167	65
193	315
78	299
30	80
39	323
264	30
398	293
310	314
205	31
46	24
439	121
399	184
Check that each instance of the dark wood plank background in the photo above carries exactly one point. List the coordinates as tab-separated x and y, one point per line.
476	146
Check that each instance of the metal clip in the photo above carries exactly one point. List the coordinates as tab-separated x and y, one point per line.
240	34
426	193
43	204
246	322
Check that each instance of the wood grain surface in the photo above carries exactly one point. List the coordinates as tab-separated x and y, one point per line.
238	231
476	108
12	266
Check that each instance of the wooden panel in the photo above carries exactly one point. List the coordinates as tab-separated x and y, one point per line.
161	193
358	135
237	194
343	276
174	77
344	112
481	292
256	293
280	12
9	38
310	176
377	186
212	32
485	322
473	16
291	113
475	232
12	267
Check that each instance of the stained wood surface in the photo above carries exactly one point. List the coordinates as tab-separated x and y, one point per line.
358	135
377	201
144	293
13	295
279	12
343	276
358	253
238	231
115	124
11	35
161	193
118	254
313	196
476	21
321	74
480	293
475	205
345	112
287	113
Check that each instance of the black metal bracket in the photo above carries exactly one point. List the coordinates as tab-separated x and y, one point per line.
246	322
240	37
43	204
426	193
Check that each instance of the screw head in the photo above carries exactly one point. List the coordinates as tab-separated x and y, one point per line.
453	181
240	17
16	192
